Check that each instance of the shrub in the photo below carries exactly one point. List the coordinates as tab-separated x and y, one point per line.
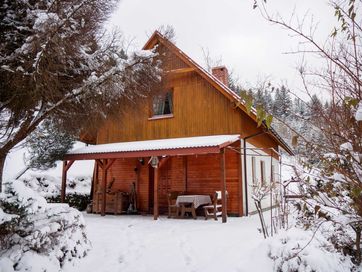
38	236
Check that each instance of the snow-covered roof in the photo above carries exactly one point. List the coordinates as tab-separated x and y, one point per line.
218	141
225	90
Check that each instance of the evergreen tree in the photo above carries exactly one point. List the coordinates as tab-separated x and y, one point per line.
259	98
282	103
298	108
48	144
315	107
268	101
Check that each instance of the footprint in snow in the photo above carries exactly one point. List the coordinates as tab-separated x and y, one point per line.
121	259
185	251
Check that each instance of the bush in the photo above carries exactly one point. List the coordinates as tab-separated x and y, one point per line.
78	189
38	236
77	201
297	250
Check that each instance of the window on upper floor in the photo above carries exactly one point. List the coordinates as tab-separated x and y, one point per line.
162	104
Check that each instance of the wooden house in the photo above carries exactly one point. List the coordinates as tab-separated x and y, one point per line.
194	136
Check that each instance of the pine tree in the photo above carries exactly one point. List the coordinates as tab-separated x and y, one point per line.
259	98
282	103
315	107
299	107
268	101
48	144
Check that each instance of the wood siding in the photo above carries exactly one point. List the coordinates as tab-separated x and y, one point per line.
201	176
198	110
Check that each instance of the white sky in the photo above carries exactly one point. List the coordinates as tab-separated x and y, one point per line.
230	29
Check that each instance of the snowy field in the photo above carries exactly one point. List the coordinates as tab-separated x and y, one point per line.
138	243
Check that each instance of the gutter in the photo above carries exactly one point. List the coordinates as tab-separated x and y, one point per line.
245	169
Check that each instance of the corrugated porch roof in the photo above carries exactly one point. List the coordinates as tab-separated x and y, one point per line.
160	147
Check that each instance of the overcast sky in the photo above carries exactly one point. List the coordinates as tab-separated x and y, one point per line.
230	29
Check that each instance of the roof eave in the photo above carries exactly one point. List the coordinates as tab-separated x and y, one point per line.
144	153
157	36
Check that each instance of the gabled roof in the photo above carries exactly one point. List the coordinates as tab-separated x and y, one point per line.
162	147
216	83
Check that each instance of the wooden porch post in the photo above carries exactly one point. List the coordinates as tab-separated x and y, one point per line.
223	185
138	178
104	188
64	182
93	184
105	165
66	166
155	193
157	164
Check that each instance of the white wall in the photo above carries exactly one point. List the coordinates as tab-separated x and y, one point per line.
267	162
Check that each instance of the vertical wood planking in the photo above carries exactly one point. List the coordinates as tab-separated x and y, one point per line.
185	173
208	112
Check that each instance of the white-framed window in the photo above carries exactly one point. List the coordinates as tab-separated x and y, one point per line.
162	104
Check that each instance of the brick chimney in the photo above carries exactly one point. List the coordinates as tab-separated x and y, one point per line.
221	73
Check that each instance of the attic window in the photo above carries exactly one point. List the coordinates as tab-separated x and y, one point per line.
163	104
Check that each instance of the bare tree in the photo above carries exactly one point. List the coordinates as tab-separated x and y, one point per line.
333	178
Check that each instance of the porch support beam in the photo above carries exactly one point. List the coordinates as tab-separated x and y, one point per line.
155	186
104	165
223	185
104	189
66	166
138	178
155	193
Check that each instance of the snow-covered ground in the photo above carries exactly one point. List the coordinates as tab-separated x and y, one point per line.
139	243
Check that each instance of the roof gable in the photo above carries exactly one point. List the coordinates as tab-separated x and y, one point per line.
157	38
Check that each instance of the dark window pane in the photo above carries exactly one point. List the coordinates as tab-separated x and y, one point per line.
162	104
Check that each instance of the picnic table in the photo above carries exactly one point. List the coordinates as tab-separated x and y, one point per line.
189	203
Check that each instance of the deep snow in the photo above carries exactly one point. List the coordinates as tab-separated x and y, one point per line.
139	243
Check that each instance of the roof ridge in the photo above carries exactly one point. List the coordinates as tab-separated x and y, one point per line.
225	89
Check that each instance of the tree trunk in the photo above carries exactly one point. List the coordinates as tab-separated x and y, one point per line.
358	245
2	164
258	208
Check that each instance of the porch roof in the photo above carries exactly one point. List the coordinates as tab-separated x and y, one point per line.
161	147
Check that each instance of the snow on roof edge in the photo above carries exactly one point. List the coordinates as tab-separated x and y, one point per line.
159	144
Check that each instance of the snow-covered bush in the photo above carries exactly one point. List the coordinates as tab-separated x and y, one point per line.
49	186
35	235
297	250
78	189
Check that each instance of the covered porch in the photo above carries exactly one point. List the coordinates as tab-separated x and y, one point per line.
201	165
